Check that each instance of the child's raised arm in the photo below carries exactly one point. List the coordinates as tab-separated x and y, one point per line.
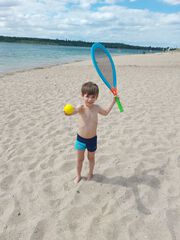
105	112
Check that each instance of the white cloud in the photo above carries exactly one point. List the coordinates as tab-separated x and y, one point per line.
111	23
113	1
172	2
8	3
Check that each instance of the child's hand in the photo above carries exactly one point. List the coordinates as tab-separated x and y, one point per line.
79	108
114	99
66	113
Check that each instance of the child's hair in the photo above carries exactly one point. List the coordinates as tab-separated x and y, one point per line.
90	88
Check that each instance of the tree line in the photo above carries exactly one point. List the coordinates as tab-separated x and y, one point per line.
76	43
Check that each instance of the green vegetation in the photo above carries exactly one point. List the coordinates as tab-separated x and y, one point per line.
76	43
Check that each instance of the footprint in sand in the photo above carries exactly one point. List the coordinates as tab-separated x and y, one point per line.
173	222
6	182
68	166
11	116
48	189
3	169
52	158
39	231
103	159
33	165
14	122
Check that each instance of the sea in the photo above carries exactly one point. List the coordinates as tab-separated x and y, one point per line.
23	56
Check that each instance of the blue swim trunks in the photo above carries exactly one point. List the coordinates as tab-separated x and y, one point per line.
83	143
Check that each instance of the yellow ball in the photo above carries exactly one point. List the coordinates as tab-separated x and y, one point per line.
68	109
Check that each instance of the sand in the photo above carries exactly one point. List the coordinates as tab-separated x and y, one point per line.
135	191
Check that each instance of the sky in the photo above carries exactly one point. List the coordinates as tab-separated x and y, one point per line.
137	22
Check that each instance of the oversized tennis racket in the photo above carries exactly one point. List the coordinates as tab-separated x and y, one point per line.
105	67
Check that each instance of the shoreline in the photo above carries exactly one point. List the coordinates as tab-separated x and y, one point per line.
38	67
11	72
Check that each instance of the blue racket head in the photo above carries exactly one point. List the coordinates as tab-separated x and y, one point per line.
104	65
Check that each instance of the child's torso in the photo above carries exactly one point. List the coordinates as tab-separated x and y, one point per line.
88	121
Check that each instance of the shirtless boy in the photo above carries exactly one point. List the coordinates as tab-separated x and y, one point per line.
87	127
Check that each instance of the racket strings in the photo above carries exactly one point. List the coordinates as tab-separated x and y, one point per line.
104	65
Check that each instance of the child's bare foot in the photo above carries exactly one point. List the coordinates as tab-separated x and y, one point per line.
89	177
77	179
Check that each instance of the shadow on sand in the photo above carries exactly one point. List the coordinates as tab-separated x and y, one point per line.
145	177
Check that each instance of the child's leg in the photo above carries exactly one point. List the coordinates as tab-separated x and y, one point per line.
80	159
91	158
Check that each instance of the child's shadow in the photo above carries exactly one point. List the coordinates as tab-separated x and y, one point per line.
132	182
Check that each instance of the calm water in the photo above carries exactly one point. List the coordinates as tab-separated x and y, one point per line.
20	56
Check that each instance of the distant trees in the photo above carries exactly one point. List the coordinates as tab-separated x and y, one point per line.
75	43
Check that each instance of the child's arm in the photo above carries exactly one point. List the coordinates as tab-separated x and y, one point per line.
77	109
105	112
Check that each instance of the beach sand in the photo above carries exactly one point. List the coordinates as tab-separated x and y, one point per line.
135	191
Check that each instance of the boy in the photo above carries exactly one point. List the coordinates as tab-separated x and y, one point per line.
88	120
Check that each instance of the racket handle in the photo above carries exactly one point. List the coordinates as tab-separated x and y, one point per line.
119	104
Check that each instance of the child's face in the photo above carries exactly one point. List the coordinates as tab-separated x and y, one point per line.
89	99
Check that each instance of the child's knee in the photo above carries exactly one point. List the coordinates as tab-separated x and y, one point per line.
91	158
81	159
